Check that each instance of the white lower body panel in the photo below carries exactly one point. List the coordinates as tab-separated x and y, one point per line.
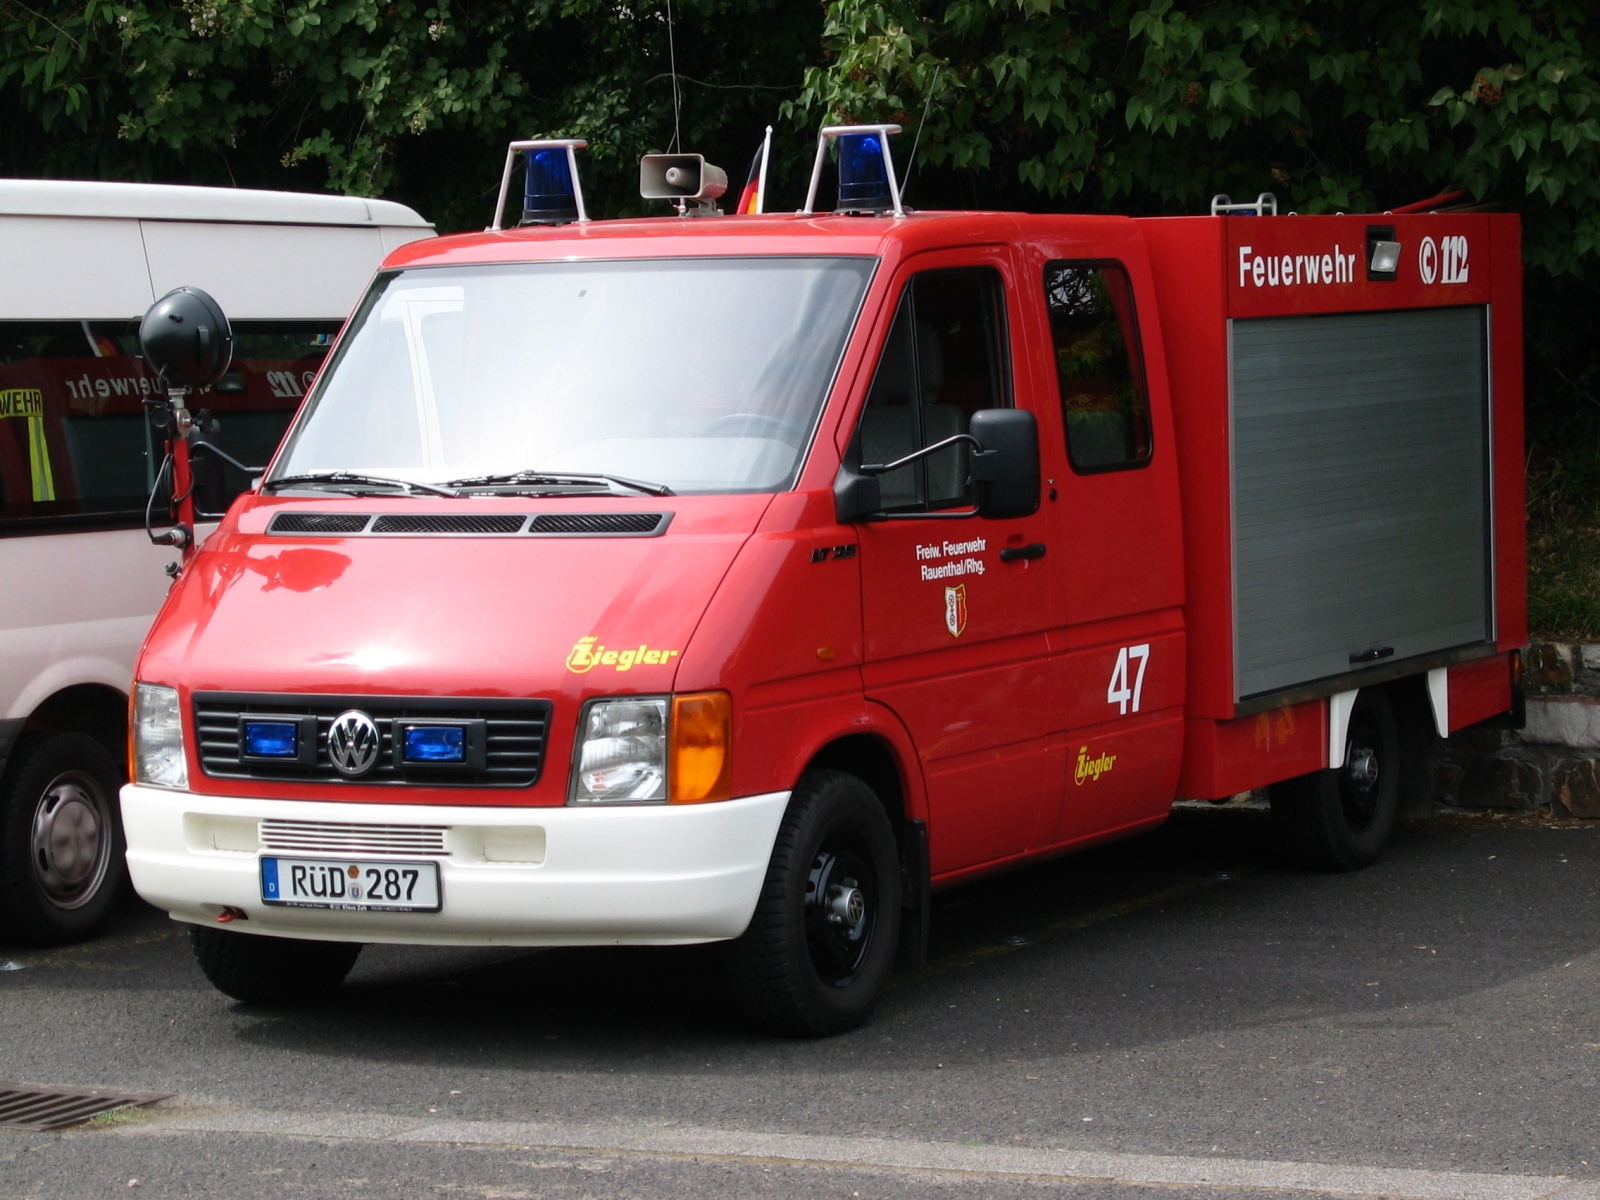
630	875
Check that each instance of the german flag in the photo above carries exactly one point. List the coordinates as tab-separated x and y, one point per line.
750	198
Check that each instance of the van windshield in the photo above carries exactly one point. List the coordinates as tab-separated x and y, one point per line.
702	375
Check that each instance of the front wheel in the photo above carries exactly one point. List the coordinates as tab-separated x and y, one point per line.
61	854
819	948
1340	820
259	969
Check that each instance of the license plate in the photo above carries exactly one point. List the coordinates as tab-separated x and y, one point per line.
350	884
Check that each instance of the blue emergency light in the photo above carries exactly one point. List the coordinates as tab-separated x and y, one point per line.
272	739
863	175
434	744
548	198
867	182
552	193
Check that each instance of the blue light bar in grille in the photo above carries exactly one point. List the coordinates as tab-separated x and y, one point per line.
272	739
434	744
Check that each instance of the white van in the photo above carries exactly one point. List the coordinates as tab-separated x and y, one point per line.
79	458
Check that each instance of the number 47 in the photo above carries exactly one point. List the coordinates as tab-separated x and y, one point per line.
1118	693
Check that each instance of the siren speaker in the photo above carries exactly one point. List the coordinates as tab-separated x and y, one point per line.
680	177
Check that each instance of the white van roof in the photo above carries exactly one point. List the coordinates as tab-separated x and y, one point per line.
171	202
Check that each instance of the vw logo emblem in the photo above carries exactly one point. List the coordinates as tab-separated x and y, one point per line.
353	743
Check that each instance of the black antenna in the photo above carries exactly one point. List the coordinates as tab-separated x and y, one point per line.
672	61
911	166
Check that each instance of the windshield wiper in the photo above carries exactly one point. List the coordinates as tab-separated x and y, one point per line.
513	479
342	479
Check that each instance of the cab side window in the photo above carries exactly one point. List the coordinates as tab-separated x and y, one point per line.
943	361
1104	404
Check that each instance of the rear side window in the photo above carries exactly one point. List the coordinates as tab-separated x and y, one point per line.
77	445
1104	403
944	360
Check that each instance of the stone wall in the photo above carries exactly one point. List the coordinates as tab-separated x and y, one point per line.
1553	763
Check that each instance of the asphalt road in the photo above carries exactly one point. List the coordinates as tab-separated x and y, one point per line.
1175	1014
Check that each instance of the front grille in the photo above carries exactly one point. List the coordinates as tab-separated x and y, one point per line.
603	523
325	523
439	523
515	732
343	837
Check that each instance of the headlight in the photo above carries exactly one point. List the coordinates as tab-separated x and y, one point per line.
649	749
622	752
158	756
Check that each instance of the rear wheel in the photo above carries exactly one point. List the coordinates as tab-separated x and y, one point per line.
1340	820
822	940
62	863
271	970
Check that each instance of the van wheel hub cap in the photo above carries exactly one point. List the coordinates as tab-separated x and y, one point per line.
70	845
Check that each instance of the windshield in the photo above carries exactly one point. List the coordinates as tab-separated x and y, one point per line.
702	375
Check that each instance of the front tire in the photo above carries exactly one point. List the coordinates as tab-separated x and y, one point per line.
822	941
1340	820
271	970
62	857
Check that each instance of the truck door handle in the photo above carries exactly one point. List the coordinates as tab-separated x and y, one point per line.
1031	550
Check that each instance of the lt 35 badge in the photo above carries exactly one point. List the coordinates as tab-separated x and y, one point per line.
955	609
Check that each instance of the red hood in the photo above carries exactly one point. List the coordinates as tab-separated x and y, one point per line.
446	615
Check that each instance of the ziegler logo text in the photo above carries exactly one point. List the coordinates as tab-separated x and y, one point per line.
589	654
1092	768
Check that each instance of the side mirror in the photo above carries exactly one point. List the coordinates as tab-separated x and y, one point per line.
1006	468
186	339
210	481
855	495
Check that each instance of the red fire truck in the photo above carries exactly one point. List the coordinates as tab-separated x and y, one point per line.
678	580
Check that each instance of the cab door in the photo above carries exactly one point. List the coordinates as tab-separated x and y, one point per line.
956	607
1117	659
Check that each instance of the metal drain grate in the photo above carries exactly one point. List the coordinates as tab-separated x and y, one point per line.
46	1108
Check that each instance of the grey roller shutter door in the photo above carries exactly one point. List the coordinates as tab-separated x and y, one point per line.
1360	490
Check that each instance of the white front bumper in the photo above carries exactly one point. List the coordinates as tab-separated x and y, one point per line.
607	876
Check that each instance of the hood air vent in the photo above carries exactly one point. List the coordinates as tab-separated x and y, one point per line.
440	523
326	523
623	524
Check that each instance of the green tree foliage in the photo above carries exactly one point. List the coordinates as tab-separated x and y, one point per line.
1154	106
411	98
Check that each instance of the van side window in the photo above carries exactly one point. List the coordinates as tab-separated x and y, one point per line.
1104	404
77	446
944	360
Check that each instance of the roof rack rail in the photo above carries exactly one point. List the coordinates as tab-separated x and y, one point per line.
1264	205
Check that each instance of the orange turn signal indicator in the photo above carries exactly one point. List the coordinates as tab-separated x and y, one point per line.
699	748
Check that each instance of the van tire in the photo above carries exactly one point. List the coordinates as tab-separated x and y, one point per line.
1340	820
802	968
63	863
258	969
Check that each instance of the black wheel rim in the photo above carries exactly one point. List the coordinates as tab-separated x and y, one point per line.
841	910
70	841
1362	779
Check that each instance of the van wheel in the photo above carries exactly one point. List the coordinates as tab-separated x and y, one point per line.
62	862
1341	820
259	969
822	940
